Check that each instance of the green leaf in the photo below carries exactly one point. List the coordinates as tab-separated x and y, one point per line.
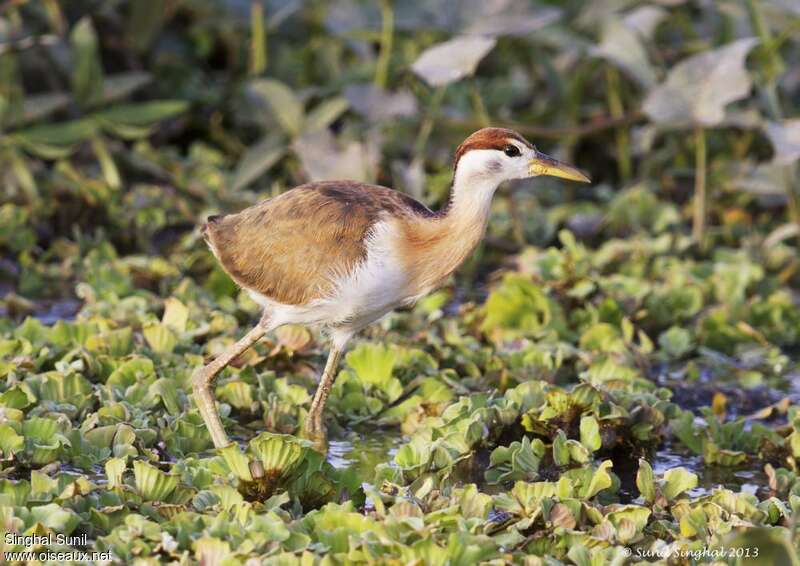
143	113
151	483
238	462
279	454
645	481
257	61
773	545
159	337
675	342
87	73
135	370
590	433
121	85
57	140
561	449
237	393
132	121
115	468
325	113
518	304
176	315
601	480
373	363
107	165
257	160
14	492
579	555
677	481
636	514
10	441
285	106
55	517
167	390
145	19
39	106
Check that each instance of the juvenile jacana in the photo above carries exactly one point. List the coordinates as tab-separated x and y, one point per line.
342	254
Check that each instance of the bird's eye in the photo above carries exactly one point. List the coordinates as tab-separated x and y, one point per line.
511	150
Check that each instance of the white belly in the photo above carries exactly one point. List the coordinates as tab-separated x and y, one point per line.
375	287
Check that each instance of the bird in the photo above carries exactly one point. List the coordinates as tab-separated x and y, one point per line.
342	254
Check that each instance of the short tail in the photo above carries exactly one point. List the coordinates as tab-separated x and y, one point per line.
210	222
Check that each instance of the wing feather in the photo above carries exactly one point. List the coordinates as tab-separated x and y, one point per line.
291	247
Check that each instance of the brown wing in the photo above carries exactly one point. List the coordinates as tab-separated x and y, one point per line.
287	247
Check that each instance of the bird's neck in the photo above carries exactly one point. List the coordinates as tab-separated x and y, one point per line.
438	245
469	202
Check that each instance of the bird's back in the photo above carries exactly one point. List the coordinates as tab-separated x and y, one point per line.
292	248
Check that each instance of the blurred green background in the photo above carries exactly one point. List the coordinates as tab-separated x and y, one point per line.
126	122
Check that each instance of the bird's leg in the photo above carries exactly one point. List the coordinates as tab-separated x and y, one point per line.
203	379
314	427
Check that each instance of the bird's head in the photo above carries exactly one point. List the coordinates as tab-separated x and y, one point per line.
494	155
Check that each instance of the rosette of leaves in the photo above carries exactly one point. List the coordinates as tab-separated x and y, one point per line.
17	397
45	440
442	442
647	413
532	502
587	420
518	461
157	487
118	440
129	381
430	398
776	317
618	373
718	512
41	519
186	434
282	403
560	410
520	307
664	491
339	527
722	443
783	446
69	393
369	384
11	441
135	536
275	463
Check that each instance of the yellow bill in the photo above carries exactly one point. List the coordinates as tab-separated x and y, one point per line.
545	165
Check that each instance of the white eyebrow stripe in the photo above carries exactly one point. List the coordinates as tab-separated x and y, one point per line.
519	142
519	145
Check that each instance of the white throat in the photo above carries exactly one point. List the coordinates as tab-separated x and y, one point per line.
478	174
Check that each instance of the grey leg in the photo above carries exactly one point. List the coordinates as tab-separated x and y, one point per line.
204	378
314	425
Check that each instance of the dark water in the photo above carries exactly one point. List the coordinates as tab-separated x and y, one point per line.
50	312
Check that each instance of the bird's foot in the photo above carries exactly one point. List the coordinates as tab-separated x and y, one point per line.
315	431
